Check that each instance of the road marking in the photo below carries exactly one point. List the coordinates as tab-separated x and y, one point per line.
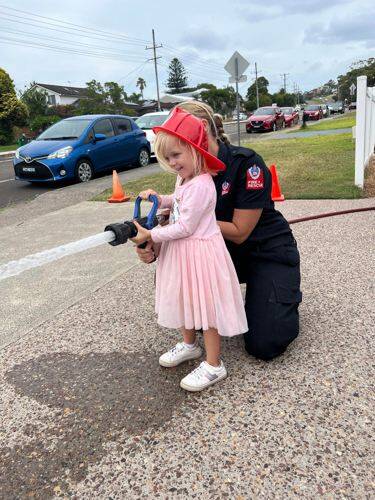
7	180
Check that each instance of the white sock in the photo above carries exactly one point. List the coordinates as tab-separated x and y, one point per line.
190	346
215	368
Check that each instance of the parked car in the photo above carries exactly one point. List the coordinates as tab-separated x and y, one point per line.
352	105
79	147
313	112
291	116
149	120
326	111
242	116
266	118
336	107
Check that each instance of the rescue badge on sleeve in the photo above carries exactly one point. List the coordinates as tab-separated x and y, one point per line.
254	178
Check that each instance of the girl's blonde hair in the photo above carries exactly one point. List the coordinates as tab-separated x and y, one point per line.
161	145
202	111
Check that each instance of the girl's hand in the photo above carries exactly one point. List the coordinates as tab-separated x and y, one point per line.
146	255
142	235
145	195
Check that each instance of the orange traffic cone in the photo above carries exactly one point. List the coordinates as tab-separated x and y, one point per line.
118	195
276	190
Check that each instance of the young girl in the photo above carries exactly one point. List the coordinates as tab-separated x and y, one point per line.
196	283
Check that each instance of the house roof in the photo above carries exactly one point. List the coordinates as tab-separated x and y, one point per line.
65	91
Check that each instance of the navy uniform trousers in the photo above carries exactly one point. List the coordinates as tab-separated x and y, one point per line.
271	271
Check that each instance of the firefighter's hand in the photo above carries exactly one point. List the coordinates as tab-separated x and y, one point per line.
147	192
146	255
165	212
142	235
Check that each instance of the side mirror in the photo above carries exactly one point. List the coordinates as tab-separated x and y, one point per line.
99	137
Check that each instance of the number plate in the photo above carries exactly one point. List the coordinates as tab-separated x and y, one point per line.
28	169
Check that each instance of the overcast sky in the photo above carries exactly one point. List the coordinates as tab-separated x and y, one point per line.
310	40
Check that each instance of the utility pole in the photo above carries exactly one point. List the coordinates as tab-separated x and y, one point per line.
256	84
154	47
284	75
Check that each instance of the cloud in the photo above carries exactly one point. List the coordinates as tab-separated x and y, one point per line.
256	11
204	39
358	28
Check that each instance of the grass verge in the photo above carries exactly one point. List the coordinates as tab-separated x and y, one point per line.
320	167
11	147
346	121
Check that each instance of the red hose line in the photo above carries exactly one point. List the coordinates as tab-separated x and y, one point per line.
330	214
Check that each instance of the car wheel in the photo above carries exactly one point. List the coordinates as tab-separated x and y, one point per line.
143	158
274	127
84	171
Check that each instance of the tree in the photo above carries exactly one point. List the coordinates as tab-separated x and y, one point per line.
262	88
177	78
141	83
221	100
115	97
363	67
12	111
35	100
134	97
107	98
282	98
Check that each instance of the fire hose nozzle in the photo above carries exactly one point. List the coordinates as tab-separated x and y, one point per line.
125	230
122	231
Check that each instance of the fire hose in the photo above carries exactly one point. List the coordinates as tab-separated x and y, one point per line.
125	230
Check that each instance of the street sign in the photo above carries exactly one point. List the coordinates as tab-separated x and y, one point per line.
241	79
236	65
352	89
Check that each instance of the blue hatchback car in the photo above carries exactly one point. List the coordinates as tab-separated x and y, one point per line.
78	147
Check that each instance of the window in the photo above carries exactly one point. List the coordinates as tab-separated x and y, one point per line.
51	99
104	127
123	125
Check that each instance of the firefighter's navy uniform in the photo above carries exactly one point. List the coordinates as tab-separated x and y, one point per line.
268	261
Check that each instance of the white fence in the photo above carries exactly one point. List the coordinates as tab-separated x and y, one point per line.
365	128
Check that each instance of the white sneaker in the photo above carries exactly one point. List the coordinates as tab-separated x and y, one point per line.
203	376
180	353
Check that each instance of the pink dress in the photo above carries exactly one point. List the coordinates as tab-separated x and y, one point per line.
196	283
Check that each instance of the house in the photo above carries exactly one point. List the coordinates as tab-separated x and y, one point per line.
60	94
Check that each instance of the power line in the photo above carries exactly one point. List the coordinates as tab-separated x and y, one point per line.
105	33
27	43
43	38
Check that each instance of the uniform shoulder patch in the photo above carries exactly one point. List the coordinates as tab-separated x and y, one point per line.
254	178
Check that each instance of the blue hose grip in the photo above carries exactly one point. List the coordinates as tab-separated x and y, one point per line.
151	216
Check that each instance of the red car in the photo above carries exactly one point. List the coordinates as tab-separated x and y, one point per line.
291	116
267	118
313	112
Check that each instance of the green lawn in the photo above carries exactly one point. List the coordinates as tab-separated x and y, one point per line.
11	147
345	121
308	168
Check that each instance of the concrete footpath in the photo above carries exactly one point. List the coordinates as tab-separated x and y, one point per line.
87	412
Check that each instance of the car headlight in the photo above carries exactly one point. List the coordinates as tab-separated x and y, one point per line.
17	153
61	153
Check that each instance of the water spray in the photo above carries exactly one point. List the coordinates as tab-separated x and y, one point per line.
114	234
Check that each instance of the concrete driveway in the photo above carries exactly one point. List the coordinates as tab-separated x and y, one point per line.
86	412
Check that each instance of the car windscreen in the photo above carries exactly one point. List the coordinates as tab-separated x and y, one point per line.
264	111
312	108
287	111
66	129
147	122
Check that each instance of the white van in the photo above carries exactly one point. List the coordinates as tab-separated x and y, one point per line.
148	121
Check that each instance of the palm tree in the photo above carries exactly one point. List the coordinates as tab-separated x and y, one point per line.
141	84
